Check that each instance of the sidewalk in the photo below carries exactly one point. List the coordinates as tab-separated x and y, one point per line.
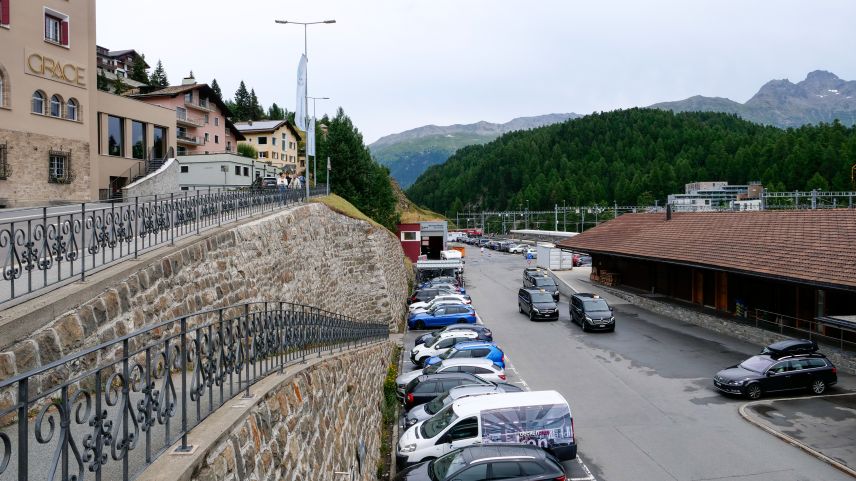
824	426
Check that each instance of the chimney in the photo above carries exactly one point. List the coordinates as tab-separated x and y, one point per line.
668	211
189	80
250	123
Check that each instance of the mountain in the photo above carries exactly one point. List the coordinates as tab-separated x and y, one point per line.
633	157
821	97
407	154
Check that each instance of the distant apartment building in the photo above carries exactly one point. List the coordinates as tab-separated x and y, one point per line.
117	63
202	126
274	140
718	195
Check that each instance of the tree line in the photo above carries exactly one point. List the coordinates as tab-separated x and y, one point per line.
635	157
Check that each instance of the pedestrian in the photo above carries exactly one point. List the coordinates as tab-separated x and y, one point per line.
482	250
281	183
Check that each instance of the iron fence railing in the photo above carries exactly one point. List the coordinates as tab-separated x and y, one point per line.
108	411
823	332
50	246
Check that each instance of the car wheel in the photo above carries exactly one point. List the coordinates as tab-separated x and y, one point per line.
519	308
531	316
753	391
420	325
583	325
818	386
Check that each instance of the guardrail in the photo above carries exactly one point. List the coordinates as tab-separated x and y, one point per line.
50	246
108	411
824	333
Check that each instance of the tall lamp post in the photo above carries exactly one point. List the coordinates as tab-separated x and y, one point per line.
314	157
306	99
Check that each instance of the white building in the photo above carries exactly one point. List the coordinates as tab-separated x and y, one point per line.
709	196
206	171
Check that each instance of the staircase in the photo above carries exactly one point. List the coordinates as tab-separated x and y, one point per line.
143	168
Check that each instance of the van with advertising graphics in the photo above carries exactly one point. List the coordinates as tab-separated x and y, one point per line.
537	418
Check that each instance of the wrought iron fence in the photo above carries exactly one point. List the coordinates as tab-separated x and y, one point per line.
108	411
51	246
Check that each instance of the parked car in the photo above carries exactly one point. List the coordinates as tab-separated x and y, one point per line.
443	316
517	249
531	252
591	312
439	344
543	418
463	298
537	304
471	349
434	303
484	332
544	283
483	368
530	273
440	280
790	347
268	181
426	387
496	461
765	373
585	260
432	407
425	295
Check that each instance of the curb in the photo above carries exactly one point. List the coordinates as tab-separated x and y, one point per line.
793	441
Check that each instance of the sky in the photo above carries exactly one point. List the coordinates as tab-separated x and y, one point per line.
393	65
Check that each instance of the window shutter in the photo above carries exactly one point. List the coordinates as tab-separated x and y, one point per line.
4	12
63	34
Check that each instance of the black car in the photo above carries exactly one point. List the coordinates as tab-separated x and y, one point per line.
790	346
428	386
510	462
591	312
425	295
485	334
531	272
764	373
544	283
537	304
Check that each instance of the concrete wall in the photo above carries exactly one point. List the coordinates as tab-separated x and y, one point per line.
308	427
307	254
163	181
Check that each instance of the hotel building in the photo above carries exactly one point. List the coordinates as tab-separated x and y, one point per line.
274	140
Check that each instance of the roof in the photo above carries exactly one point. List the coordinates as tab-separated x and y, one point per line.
175	90
467	361
807	246
506	400
266	126
513	451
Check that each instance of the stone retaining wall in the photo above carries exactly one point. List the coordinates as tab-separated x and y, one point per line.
307	254
843	360
309	426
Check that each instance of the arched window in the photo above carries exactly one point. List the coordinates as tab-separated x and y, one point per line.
71	109
39	102
56	106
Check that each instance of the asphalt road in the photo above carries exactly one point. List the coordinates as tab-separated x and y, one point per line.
644	408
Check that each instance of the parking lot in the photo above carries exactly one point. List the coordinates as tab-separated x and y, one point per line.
643	404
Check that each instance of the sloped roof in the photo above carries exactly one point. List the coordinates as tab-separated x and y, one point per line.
812	246
174	90
266	126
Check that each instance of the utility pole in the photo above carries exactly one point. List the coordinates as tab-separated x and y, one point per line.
556	207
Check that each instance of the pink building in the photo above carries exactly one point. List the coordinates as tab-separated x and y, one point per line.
201	123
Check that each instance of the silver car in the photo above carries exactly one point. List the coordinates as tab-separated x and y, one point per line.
425	411
481	367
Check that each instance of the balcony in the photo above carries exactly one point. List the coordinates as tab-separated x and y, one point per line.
203	105
183	119
184	139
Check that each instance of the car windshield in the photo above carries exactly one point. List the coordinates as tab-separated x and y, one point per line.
756	364
544	281
432	368
448	354
596	305
434	406
431	340
438	422
541	297
450	463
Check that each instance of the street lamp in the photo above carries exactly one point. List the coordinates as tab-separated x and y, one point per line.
306	100
314	157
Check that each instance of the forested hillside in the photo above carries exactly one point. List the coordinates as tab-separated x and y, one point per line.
634	156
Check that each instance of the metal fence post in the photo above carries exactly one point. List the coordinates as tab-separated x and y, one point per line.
198	213
247	347
184	446
136	224
172	225
23	436
82	241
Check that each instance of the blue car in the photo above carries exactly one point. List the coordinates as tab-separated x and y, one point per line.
484	349
442	316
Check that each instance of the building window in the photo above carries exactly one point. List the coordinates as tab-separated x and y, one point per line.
138	139
216	121
71	109
246	171
4	12
262	140
229	146
39	102
56	106
56	28
4	164
206	137
182	150
58	167
115	136
408	236
273	141
185	169
237	170
275	155
188	97
216	139
206	119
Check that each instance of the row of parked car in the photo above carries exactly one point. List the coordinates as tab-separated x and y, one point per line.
502	245
462	420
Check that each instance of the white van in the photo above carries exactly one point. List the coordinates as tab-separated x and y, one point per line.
539	418
439	344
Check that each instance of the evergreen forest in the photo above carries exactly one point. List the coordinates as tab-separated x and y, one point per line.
634	157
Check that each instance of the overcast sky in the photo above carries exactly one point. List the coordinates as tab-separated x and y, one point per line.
399	64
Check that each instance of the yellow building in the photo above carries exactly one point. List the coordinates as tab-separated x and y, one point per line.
275	141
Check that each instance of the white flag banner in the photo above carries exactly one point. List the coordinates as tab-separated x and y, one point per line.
300	111
310	138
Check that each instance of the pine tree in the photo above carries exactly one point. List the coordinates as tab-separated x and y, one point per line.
275	112
242	111
139	71
119	86
216	88
256	110
103	82
158	77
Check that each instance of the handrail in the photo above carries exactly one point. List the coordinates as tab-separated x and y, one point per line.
117	402
57	245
